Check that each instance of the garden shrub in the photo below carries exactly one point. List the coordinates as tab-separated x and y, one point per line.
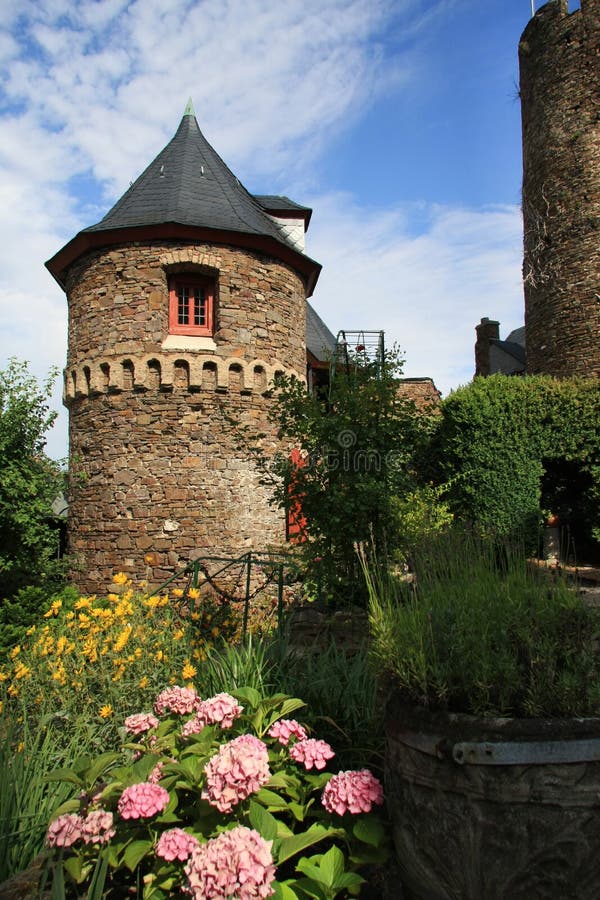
111	651
514	449
216	798
29	483
352	454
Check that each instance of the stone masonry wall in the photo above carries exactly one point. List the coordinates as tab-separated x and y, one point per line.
559	57
157	466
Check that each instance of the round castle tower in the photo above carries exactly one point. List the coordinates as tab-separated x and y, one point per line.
559	55
184	302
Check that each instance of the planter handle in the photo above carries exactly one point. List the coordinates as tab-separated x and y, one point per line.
522	753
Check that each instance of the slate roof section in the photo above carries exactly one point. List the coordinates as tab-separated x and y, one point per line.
280	205
319	339
515	350
189	183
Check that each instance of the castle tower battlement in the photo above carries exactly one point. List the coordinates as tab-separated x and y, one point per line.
559	57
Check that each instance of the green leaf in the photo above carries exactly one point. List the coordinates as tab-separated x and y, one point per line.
270	799
73	865
283	891
248	694
135	852
285	848
69	806
329	870
369	830
104	761
68	775
289	706
263	821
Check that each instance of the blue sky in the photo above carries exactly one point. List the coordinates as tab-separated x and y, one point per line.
398	121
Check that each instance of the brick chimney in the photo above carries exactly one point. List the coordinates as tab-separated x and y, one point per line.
487	330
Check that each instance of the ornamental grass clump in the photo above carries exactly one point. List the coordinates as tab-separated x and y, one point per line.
482	631
239	807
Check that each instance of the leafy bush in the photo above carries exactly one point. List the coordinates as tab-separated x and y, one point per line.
25	609
514	449
352	454
212	797
29	482
481	632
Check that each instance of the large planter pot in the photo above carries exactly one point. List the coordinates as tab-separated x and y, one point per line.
494	809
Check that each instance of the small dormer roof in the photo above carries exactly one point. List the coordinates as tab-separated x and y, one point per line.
188	190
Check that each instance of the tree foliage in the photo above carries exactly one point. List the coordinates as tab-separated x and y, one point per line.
29	480
356	447
516	449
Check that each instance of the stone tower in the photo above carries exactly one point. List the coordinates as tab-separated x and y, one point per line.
559	56
184	301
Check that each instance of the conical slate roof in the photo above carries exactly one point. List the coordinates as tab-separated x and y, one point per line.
188	192
189	183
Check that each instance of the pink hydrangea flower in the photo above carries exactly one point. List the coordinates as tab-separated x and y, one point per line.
353	792
98	827
180	700
223	710
237	863
176	844
240	768
138	723
285	729
311	753
156	773
193	726
140	801
64	831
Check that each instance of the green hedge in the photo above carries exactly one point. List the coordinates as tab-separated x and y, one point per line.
514	449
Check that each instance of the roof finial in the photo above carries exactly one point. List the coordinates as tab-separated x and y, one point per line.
189	109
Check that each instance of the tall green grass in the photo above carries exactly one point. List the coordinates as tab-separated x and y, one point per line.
483	632
29	751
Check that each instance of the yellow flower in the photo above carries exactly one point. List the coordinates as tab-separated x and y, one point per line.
193	593
188	671
20	747
151	602
83	603
13	690
1	706
120	578
30	631
113	598
21	671
143	683
195	616
177	635
159	656
15	651
105	712
177	593
214	631
122	639
54	609
3	676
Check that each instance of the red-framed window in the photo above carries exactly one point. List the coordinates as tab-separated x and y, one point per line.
191	305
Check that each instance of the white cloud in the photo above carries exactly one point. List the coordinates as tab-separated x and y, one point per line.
426	291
